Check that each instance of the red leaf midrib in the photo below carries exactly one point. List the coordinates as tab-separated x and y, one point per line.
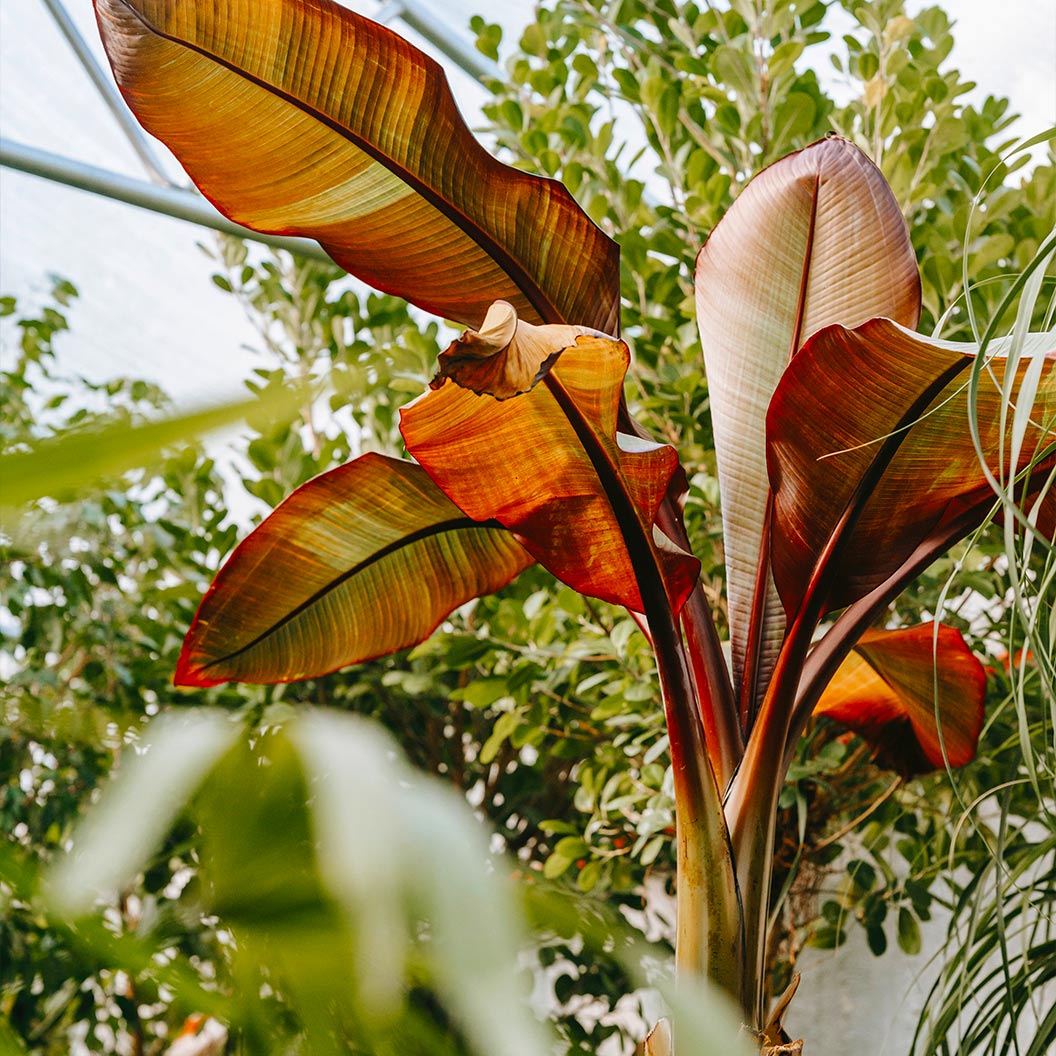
439	528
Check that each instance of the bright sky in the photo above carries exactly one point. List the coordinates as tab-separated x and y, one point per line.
1008	47
148	307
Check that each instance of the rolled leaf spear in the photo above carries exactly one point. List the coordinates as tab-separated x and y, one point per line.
304	118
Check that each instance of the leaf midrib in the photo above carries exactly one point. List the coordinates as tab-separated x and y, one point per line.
817	587
429	531
635	539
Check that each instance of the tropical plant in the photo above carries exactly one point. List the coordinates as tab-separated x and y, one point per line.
101	587
715	91
827	410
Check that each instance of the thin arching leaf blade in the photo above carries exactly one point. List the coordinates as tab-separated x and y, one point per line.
418	846
307	119
138	810
357	563
64	465
915	694
815	239
522	462
843	397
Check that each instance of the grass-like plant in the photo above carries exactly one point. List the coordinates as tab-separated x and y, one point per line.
997	969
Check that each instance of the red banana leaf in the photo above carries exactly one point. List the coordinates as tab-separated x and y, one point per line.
550	466
817	238
834	471
915	695
357	563
303	118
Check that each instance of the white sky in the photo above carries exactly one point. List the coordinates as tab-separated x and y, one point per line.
147	306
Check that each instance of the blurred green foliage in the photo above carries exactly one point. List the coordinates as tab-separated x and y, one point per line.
536	705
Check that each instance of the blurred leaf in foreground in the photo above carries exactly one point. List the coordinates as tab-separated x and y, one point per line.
59	467
333	873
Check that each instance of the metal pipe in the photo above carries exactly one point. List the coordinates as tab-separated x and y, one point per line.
164	196
110	95
169	201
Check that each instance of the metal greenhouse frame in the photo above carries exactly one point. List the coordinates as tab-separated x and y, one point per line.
157	191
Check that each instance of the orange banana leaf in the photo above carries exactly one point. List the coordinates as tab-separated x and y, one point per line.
550	466
303	118
845	401
814	239
915	695
357	563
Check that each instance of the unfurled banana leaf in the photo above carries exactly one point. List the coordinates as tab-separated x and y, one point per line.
817	238
307	119
357	563
869	438
915	694
550	466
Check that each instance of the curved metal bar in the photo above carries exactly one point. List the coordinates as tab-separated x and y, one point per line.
425	22
110	95
170	201
164	195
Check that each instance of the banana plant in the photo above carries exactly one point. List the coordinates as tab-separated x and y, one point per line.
852	451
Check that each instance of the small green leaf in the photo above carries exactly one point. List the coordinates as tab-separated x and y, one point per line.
784	57
652	849
826	937
868	65
863	874
908	932
556	865
589	876
877	940
484	692
572	847
153	787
